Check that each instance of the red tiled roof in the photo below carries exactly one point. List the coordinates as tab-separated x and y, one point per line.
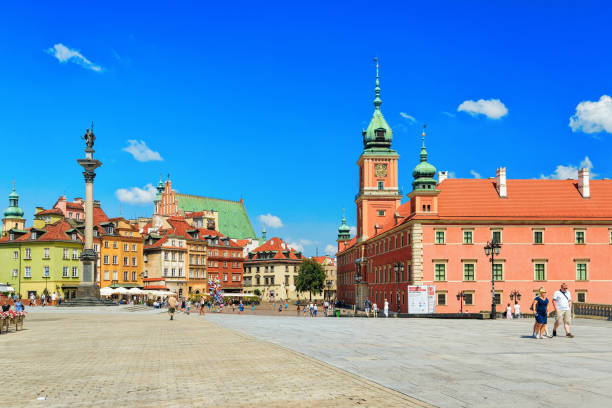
473	199
347	244
99	215
74	206
52	232
55	211
279	246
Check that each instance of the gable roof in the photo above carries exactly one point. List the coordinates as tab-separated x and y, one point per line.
279	247
51	232
234	221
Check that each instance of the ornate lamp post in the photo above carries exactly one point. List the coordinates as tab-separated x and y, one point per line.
515	294
492	248
357	282
398	267
460	296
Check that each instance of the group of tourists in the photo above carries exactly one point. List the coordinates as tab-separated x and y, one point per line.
562	307
373	308
47	299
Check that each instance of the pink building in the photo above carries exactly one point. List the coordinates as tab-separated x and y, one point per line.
550	231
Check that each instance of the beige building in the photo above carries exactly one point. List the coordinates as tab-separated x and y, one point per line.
272	268
165	256
329	265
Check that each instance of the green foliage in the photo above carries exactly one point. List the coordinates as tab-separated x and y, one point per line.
311	277
257	292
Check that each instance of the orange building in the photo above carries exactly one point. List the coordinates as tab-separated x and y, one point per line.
550	231
121	254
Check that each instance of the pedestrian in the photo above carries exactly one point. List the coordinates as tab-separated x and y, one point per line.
53	298
310	308
171	307
517	310
386	308
540	305
562	303
367	307
43	299
233	306
274	305
509	312
375	310
298	310
32	300
326	307
253	307
240	307
315	310
280	307
183	305
286	305
188	304
202	306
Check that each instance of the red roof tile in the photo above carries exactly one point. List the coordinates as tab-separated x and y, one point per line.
471	199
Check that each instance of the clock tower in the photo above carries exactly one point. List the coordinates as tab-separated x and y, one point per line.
378	196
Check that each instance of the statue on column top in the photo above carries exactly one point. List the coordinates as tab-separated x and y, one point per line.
89	137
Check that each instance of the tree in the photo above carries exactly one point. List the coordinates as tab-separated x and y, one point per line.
311	277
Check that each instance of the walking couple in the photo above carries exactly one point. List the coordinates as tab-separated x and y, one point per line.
563	312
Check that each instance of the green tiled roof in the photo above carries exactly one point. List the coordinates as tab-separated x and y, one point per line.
234	221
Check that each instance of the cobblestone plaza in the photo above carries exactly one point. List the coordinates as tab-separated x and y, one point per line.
109	357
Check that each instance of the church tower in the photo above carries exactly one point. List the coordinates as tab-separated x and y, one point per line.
378	196
13	215
344	233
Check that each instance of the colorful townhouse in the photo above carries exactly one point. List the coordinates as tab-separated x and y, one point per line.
121	254
549	232
165	256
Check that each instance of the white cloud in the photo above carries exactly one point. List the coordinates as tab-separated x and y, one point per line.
137	195
491	108
407	116
450	115
570	171
593	117
270	220
141	152
353	230
331	249
296	246
476	175
65	54
305	241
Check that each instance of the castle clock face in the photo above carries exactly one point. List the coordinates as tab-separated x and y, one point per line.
380	170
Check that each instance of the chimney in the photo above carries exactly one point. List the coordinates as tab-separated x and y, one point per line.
583	183
442	175
500	184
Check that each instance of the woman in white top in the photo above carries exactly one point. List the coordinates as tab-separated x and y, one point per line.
509	312
375	309
386	309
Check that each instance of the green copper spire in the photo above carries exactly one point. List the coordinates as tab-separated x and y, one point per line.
378	136
13	211
160	189
344	231
263	234
424	172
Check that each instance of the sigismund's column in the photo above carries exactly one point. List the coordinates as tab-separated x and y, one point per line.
88	287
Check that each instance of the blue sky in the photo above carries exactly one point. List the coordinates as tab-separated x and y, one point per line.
266	101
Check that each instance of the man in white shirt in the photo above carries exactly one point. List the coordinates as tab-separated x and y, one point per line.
562	304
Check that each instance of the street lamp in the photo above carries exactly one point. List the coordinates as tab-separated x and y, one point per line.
492	248
460	297
357	281
515	294
329	283
399	271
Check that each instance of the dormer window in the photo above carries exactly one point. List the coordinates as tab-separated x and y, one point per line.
11	236
380	134
33	235
74	236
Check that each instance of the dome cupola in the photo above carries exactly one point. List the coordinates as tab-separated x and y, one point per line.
424	172
13	211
